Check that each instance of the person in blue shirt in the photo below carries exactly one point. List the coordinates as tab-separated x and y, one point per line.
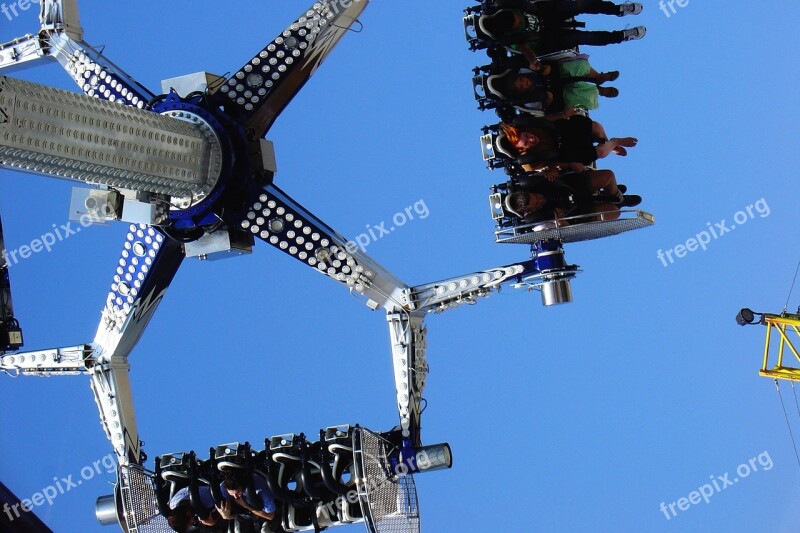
183	516
233	488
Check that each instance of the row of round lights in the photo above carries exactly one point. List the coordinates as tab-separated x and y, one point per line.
253	82
273	221
140	252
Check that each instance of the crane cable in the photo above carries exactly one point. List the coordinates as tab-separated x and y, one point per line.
786	305
791	435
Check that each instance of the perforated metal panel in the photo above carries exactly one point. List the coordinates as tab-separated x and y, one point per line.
388	500
582	228
139	502
59	133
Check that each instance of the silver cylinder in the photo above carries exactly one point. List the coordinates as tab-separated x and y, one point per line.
556	292
106	510
434	457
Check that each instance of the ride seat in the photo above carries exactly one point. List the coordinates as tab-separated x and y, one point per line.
285	451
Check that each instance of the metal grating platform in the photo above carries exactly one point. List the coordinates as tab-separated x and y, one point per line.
139	502
581	228
388	500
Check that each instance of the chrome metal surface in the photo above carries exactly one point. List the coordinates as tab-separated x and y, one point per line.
70	136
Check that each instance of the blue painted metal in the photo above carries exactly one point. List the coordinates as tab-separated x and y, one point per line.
549	255
234	144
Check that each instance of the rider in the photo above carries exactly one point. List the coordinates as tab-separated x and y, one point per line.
233	488
535	29
183	516
555	197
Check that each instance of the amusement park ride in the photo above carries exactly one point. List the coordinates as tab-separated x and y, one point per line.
191	171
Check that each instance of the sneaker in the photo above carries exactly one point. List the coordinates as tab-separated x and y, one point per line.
631	200
634	34
629	8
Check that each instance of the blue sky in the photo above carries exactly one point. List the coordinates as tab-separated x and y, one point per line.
584	417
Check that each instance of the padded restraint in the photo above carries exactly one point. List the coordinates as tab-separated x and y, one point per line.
492	84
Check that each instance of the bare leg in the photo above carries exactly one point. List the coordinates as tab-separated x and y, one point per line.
598	131
606	180
615	145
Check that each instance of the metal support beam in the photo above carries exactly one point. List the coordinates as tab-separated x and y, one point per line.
260	90
65	135
444	295
408	336
782	325
283	223
112	392
69	361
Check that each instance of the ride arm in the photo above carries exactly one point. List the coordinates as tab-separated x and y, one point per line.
408	336
448	294
110	385
281	222
54	16
65	135
259	91
147	266
68	361
61	38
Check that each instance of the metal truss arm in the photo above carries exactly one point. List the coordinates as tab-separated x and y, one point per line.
448	294
61	38
260	90
147	266
283	223
112	393
69	361
55	16
61	15
409	345
110	385
22	53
